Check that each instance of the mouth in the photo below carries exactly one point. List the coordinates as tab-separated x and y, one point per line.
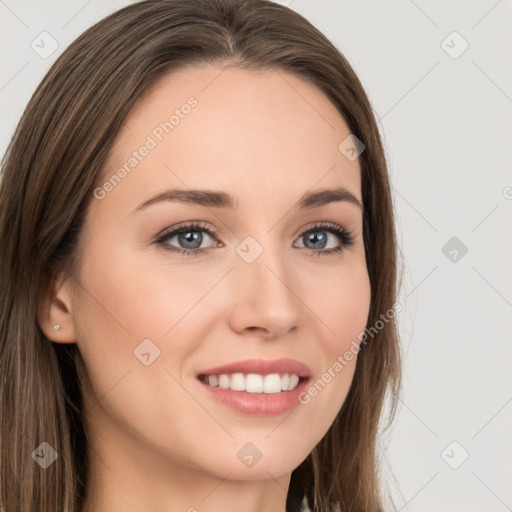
254	382
257	386
259	367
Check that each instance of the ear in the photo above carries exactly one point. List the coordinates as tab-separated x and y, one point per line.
55	309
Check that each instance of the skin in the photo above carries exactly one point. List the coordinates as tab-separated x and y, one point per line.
158	441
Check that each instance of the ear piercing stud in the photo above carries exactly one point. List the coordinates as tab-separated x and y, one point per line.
56	327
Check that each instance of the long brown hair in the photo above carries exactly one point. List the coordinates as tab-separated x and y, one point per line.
49	172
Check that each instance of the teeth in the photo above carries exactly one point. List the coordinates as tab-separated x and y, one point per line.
253	382
237	382
223	382
294	380
272	383
285	379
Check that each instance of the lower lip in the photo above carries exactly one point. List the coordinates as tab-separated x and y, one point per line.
258	404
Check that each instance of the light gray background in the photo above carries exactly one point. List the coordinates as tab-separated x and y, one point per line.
447	127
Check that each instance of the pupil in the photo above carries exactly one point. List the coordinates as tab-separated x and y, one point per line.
318	241
191	239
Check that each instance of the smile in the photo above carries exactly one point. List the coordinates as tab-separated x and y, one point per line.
253	382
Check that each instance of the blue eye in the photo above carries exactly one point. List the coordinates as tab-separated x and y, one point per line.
190	236
311	235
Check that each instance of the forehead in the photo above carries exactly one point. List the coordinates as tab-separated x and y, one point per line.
261	134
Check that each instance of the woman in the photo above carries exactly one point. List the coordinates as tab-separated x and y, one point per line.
199	271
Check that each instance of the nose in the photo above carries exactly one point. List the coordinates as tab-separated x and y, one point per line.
265	296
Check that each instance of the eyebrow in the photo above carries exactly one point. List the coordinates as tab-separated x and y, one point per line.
215	199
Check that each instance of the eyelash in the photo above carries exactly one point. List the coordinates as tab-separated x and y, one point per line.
345	236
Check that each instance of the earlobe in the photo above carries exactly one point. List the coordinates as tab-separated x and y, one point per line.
55	315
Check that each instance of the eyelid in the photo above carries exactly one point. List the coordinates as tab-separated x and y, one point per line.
319	225
202	225
183	227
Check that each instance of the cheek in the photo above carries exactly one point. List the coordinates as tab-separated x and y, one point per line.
133	312
341	302
128	296
342	310
124	315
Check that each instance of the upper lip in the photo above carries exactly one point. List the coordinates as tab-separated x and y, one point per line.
260	366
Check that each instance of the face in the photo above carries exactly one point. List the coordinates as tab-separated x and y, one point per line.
260	281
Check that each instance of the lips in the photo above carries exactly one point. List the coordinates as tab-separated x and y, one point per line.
260	366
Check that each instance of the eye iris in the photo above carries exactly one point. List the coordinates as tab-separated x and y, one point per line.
190	237
319	242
